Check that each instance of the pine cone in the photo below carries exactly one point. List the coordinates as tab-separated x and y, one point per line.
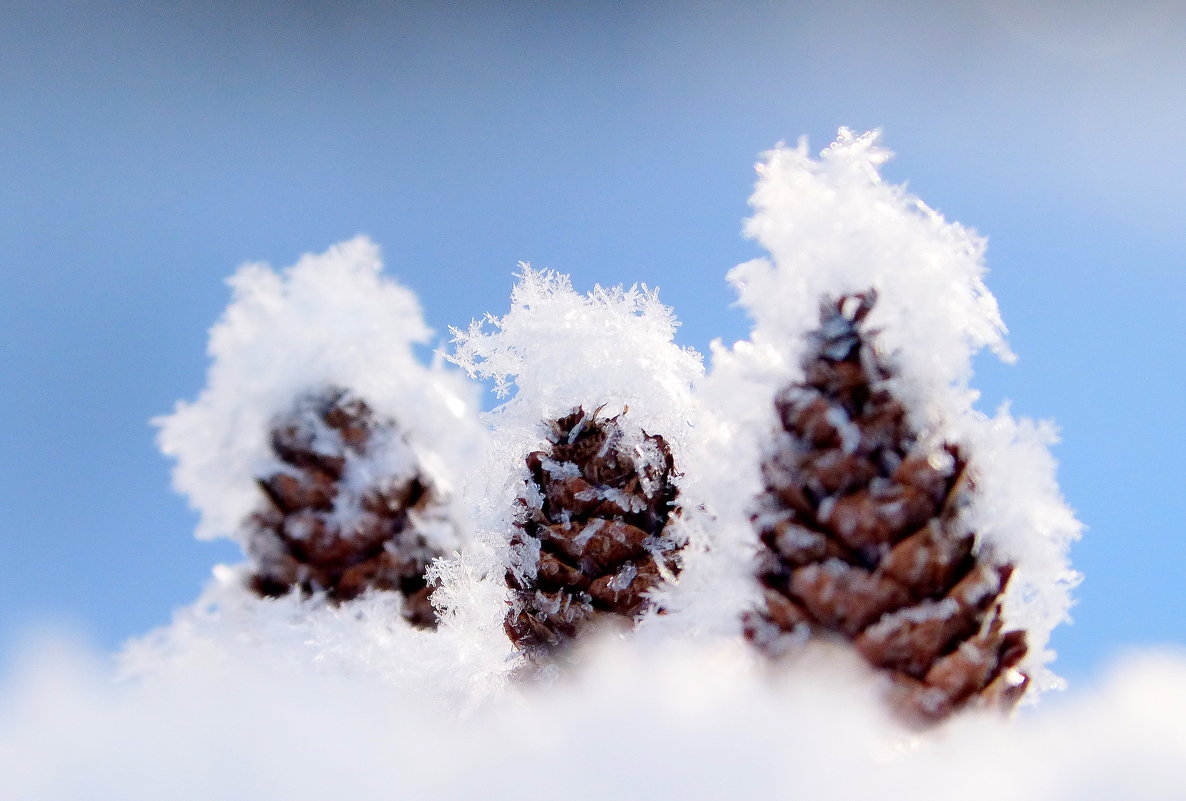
318	530
862	535
594	538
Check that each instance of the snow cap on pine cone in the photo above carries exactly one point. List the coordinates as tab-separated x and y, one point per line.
558	349
330	321
833	228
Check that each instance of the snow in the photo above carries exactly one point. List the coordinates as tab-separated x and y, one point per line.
557	349
299	639
330	320
681	722
832	226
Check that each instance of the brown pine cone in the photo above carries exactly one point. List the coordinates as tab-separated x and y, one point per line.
862	535
317	530
594	535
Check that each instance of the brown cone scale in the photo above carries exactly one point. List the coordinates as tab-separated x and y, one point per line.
862	537
298	538
594	537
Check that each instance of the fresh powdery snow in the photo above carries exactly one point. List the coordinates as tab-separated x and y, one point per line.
294	697
330	320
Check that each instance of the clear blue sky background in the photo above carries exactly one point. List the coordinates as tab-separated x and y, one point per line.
146	151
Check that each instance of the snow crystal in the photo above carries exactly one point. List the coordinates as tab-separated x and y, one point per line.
833	227
560	469
591	529
850	435
627	502
330	320
1020	513
926	611
624	577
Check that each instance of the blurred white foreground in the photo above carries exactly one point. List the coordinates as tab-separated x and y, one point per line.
690	721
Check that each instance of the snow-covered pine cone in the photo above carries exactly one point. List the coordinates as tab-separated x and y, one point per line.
328	523
594	537
862	535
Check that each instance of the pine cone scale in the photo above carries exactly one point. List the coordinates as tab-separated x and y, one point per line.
845	597
625	589
970	666
911	639
553	573
927	561
290	494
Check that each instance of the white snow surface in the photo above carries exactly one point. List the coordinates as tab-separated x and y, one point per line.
556	349
832	226
692	720
330	320
303	638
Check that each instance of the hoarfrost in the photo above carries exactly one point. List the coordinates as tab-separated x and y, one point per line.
922	613
850	435
560	469
624	577
297	639
591	529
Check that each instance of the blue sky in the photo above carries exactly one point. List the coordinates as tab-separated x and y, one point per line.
146	151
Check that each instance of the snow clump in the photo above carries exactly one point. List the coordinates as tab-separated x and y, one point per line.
331	320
